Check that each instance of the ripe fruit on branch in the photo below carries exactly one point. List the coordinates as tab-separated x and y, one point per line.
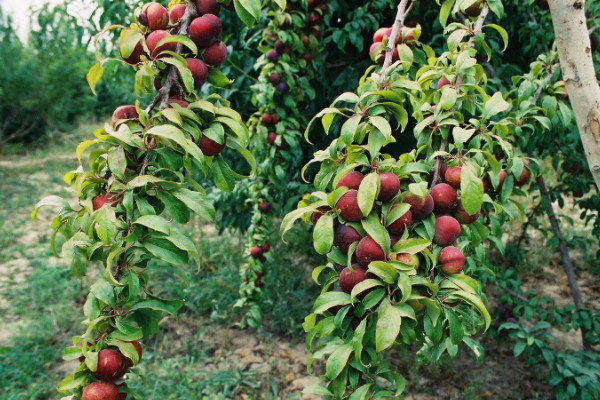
272	56
279	46
525	175
177	13
420	207
452	176
109	364
256	251
368	250
443	82
282	87
181	103
408	259
344	236
319	213
274	78
215	54
487	182
452	260
389	186
447	230
136	55
264	207
351	180
475	9
272	138
211	148
274	118
205	30
380	34
348	206
462	216
266	119
102	199
154	38
127	112
100	391
398	226
444	197
208	7
266	247
154	16
199	71
350	278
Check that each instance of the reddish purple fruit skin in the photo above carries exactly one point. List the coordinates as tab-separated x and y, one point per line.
398	226
136	55
349	279
389	186
202	31
177	13
256	251
215	54
127	112
444	197
264	207
154	38
100	391
419	207
208	7
109	364
452	176
452	260
348	206
351	180
525	175
368	250
447	230
272	56
344	236
211	148
320	211
461	215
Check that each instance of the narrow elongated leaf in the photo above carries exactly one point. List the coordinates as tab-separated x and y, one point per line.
323	234
337	361
367	192
388	326
154	222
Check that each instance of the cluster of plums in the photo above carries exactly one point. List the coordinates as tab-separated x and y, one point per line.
270	120
442	200
258	252
381	38
112	366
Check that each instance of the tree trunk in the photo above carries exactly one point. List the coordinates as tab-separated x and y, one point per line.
573	42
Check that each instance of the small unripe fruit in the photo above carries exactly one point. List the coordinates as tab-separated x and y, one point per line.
305	40
348	206
420	207
398	226
100	391
447	230
109	364
368	250
351	180
344	236
452	260
444	197
349	278
264	207
211	148
452	176
215	54
389	186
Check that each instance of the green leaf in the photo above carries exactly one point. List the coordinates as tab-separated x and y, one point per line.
349	128
498	28
177	208
158	305
128	39
411	246
456	329
382	125
323	234
471	189
495	105
50	201
445	11
142	180
362	393
248	11
330	299
94	75
103	291
154	222
117	161
106	224
388	326
386	272
217	78
222	174
367	191
198	202
461	135
317	389
449	96
373	226
337	361
166	251
72	382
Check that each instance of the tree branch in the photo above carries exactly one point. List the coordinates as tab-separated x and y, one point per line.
574	48
398	23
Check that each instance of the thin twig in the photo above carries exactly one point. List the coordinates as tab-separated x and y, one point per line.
527	223
398	23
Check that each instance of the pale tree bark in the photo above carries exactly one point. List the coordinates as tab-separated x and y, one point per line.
573	42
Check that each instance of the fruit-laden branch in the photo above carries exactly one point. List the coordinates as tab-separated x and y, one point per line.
403	11
574	48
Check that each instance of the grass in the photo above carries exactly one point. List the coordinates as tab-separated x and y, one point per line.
200	354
